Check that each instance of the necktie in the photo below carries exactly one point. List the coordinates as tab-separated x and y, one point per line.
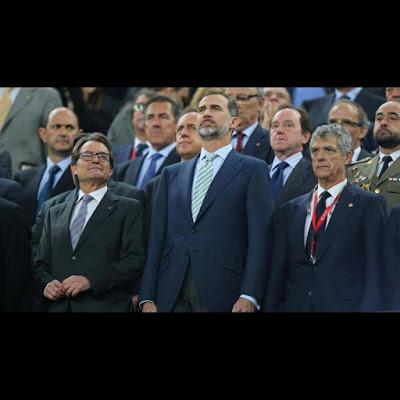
140	149
239	142
344	97
48	187
5	104
386	161
151	171
277	179
203	182
79	222
321	206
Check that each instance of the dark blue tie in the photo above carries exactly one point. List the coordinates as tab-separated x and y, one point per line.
140	149
151	171
277	179
48	187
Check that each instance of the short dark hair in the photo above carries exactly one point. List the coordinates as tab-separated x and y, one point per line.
87	137
175	108
232	106
304	117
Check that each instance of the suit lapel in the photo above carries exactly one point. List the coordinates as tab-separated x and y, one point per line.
295	180
344	208
185	182
23	97
230	168
66	215
299	221
255	143
103	210
65	183
132	174
173	158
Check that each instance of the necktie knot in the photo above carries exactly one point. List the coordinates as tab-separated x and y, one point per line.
209	158
155	156
281	166
141	148
386	160
54	169
86	199
322	204
344	97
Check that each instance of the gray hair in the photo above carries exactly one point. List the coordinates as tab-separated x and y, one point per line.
344	139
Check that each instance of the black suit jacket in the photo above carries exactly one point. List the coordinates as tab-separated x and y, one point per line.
129	171
300	181
109	254
30	181
5	165
318	109
259	145
15	263
12	191
348	274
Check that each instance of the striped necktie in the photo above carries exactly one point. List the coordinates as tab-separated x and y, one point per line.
204	179
79	222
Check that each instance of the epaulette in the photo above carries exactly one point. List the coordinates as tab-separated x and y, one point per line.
362	161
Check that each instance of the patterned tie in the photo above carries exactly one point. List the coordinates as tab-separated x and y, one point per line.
204	179
321	206
151	170
79	222
386	160
277	179
44	194
239	143
5	105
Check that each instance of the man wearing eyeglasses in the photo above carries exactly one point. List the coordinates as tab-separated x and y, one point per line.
381	173
354	119
249	137
91	252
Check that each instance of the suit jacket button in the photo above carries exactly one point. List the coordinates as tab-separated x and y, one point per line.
377	190
193	231
73	258
315	269
310	293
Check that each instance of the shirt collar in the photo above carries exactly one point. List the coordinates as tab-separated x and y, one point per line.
63	164
292	160
138	142
164	152
395	155
97	194
352	94
248	131
334	191
221	152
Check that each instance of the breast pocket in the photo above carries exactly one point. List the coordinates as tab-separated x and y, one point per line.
393	186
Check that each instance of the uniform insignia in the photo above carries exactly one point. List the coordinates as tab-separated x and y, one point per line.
351	205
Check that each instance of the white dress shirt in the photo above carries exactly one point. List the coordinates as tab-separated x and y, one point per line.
91	208
334	191
395	155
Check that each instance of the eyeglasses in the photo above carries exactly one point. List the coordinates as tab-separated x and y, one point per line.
245	97
138	107
345	122
89	156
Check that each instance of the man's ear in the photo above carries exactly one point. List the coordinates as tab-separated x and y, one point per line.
235	122
42	135
348	158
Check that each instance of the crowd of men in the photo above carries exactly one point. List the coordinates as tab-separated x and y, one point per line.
242	201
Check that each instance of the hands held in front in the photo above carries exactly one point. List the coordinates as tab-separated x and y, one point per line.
243	305
149	307
71	286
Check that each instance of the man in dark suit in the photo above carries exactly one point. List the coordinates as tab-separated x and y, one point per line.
12	191
137	146
354	119
53	178
291	173
5	165
249	137
161	115
15	266
319	108
91	251
327	253
209	238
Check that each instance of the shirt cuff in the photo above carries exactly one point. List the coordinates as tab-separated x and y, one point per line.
252	299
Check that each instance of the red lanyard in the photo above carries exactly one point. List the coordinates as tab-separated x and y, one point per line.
317	225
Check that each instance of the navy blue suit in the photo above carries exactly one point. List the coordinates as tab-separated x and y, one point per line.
348	274
229	244
123	153
259	145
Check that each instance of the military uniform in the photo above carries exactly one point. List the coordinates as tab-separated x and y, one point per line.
363	174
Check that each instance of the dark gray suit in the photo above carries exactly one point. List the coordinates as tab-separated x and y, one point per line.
19	133
109	254
300	181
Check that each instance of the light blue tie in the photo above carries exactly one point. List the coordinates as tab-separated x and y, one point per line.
79	222
204	179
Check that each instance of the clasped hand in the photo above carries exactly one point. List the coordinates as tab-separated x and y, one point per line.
70	287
